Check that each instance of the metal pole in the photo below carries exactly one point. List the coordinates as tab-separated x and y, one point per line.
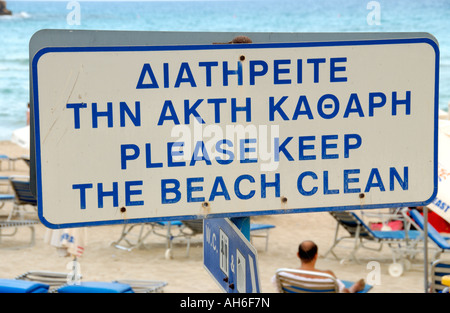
425	245
243	224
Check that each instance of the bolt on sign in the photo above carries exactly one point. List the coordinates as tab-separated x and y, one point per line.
143	132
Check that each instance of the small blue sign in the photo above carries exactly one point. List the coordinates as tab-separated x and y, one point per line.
229	257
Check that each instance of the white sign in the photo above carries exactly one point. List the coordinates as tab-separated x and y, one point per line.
170	132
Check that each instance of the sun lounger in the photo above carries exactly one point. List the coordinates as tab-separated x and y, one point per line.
15	225
442	244
52	279
22	286
403	243
191	228
144	286
12	161
64	282
5	198
260	231
288	281
439	270
23	195
4	158
96	287
134	235
4	183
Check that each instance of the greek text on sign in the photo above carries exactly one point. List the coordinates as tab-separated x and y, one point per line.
169	132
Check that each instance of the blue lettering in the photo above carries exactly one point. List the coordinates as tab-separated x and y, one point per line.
277	71
224	152
124	157
246	109
129	192
237	189
76	112
299	71
208	66
348	145
358	109
394	174
348	180
254	73
374	181
316	63
134	118
334	69
275	184
200	145
217	103
298	111
190	189
184	68
244	150
326	146
406	102
282	148
147	69
302	147
82	188
218	182
277	108
321	106
373	104
227	72
172	190
300	183
173	115
166	75
326	190
192	110
148	157
171	153
113	193
108	114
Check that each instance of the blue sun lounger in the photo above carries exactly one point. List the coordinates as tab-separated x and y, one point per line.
261	231
6	197
403	243
22	286
96	287
441	242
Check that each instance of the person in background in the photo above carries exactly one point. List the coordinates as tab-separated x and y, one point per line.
308	254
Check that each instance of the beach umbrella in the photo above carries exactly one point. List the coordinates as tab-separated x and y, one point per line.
68	242
441	204
21	137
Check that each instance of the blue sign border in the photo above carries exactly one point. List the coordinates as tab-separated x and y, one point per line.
137	48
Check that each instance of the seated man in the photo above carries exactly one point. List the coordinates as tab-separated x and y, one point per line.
308	254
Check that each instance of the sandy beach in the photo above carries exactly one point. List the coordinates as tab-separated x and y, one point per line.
101	261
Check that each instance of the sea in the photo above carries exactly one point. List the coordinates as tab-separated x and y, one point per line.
432	16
